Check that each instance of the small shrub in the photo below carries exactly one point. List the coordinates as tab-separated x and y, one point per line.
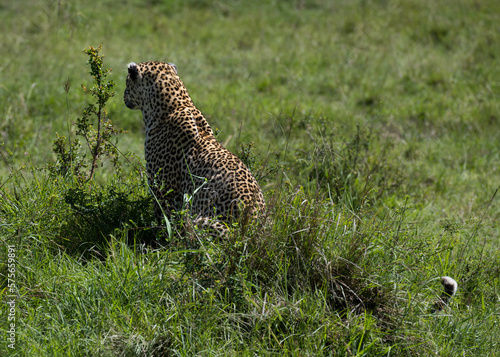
98	210
98	141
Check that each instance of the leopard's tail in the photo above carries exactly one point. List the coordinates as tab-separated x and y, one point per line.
450	289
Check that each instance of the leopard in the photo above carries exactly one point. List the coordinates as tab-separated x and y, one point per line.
187	167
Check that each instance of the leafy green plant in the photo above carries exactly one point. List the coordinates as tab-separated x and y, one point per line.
98	210
101	211
97	137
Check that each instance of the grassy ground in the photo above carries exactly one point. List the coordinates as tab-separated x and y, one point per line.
373	129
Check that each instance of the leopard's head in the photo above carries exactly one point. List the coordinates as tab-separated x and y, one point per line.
154	86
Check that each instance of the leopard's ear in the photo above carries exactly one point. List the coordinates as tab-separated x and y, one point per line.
173	66
133	71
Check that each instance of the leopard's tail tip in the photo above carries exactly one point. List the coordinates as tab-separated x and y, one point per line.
450	286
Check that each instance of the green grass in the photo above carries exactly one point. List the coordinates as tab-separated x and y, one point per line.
372	127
